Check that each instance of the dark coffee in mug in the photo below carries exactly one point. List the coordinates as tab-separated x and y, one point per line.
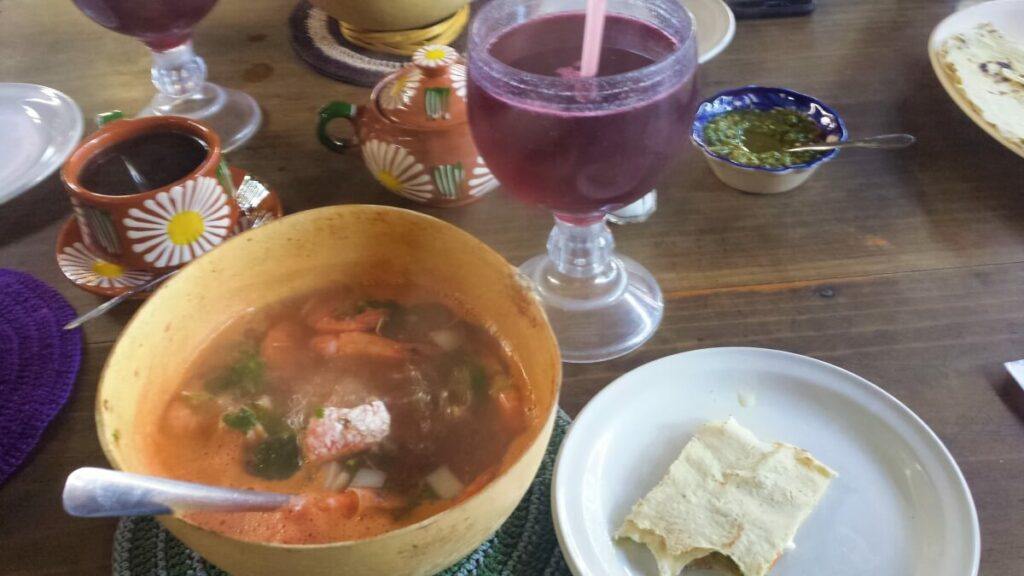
142	163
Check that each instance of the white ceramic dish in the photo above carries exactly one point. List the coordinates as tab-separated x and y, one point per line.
1008	17
715	25
1016	370
760	180
900	506
41	127
757	181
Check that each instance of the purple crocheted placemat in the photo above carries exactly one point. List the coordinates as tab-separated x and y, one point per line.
39	361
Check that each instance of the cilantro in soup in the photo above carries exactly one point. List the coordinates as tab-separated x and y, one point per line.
760	137
382	412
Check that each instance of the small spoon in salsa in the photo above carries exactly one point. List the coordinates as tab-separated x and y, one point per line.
887	141
101	493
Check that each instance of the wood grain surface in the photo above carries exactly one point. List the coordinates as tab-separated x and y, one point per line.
904	267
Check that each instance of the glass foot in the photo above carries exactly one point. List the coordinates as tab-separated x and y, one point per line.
599	318
233	114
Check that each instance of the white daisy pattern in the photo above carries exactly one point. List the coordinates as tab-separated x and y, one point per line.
434	56
83	266
180	224
397	170
399	92
458	76
482	181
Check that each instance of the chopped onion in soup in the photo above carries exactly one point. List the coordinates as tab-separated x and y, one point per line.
444	483
371	405
368	478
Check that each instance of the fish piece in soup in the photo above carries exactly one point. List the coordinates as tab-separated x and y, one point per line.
335	433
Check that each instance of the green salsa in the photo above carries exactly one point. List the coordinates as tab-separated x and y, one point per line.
760	137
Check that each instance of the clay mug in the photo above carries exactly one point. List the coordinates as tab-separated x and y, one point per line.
159	228
414	133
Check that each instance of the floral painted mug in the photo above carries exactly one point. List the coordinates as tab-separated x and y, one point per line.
414	133
151	193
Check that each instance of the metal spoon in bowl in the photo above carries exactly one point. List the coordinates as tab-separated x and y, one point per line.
141	185
100	493
887	141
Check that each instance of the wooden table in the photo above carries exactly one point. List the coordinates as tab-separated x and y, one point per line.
906	267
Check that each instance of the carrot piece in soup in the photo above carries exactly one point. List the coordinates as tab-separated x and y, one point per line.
346	503
366	321
316	309
373	499
323	316
183	419
477	484
282	346
357	344
355	501
510	406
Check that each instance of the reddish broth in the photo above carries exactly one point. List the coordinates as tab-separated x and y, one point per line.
312	395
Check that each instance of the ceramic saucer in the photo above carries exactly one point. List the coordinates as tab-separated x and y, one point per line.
41	127
86	270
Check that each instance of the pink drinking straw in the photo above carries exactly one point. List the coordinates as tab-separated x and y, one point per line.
593	30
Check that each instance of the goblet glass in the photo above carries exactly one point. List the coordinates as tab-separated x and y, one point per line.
178	73
584	146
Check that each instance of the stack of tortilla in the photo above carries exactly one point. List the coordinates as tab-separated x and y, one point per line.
989	71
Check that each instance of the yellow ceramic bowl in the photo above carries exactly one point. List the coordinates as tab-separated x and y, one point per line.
304	252
385	15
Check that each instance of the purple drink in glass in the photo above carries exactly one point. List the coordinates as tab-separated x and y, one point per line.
161	24
165	26
582	146
597	155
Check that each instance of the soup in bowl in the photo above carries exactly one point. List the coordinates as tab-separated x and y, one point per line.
385	365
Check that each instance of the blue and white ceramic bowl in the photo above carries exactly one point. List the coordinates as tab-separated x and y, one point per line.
754	178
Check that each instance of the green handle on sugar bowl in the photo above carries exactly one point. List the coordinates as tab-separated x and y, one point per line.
331	112
104	118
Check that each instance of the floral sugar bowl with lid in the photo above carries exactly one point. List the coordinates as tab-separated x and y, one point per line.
414	133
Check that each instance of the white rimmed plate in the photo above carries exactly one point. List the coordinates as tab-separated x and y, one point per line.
715	26
1008	17
41	127
900	506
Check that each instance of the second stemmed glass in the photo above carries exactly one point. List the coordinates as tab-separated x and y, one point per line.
584	146
178	73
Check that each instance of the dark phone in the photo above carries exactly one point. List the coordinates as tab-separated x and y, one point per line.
770	8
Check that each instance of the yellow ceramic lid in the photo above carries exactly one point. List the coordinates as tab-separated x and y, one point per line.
429	92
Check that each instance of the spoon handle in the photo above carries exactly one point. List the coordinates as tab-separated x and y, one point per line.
888	141
97	493
117	300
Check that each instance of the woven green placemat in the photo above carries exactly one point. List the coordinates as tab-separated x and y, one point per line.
524	545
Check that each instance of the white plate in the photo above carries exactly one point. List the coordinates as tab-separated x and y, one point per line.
1008	17
41	127
900	506
715	26
1016	369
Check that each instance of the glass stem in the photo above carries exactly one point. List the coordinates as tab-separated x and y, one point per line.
581	250
178	73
